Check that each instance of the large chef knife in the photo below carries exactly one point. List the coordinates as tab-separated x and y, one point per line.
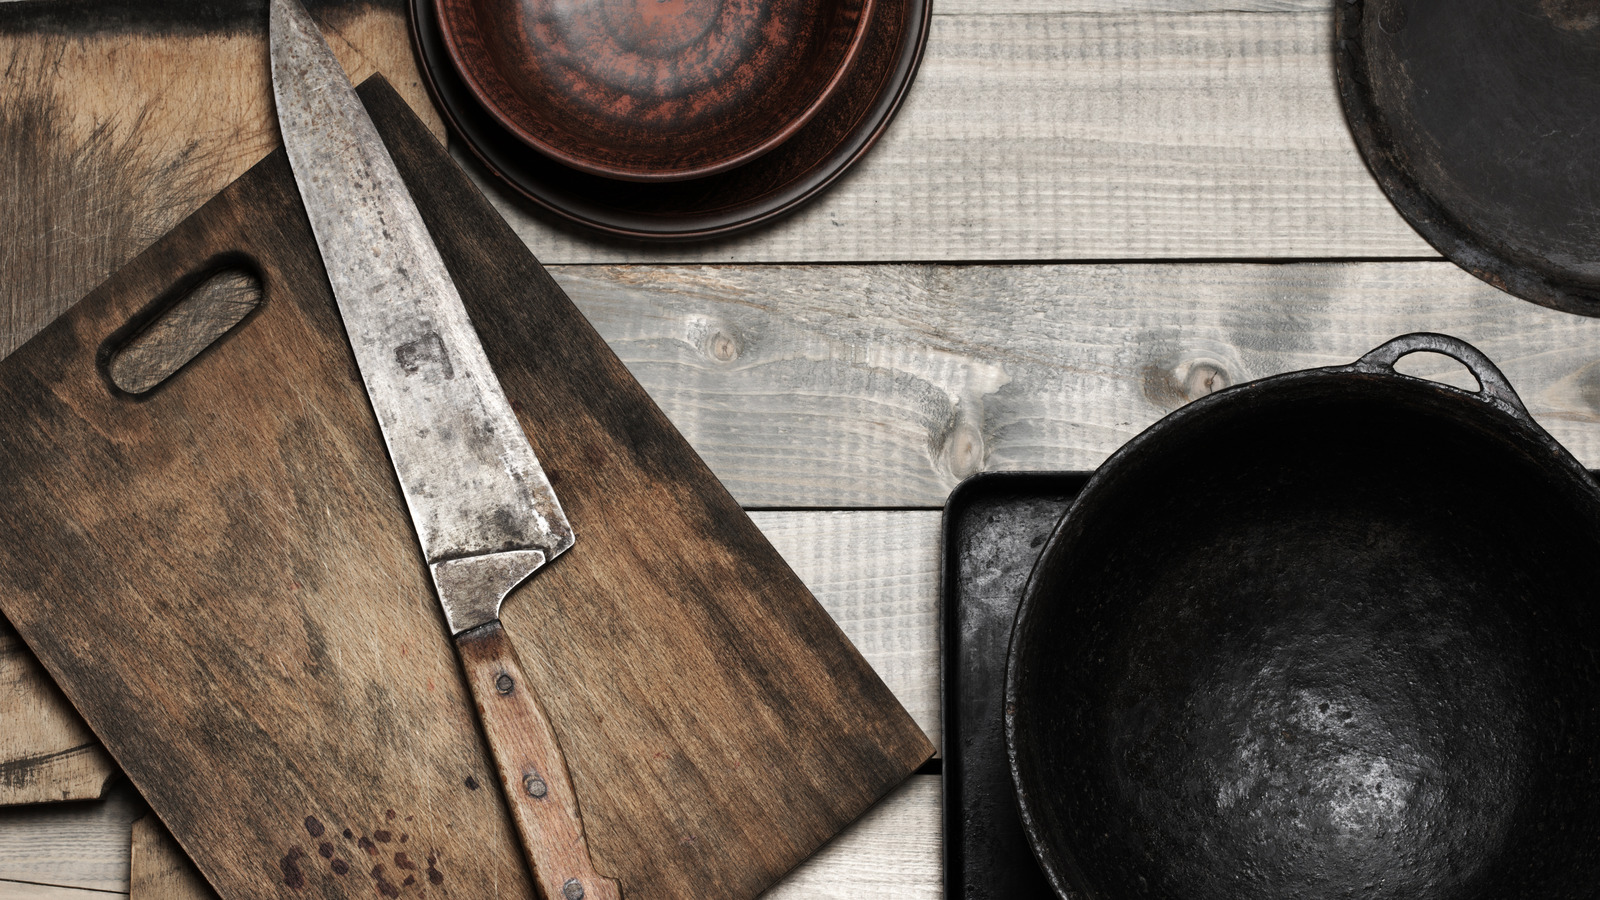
484	512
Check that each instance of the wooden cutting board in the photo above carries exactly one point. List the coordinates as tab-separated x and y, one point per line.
220	574
118	118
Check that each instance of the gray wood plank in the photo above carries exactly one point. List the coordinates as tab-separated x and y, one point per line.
73	845
841	386
1088	136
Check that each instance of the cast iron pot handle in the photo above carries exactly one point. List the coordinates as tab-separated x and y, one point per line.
1492	385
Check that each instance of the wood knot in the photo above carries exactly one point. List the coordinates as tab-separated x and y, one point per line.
504	684
1172	386
963	451
722	347
1204	378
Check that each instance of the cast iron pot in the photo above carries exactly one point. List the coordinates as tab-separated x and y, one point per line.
1329	634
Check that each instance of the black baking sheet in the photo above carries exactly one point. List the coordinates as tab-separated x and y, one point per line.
994	527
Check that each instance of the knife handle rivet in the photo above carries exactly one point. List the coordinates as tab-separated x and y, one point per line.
573	889
535	786
504	684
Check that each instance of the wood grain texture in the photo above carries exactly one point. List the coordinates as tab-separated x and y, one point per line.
893	851
836	386
876	572
47	753
72	845
1111	7
157	868
533	770
714	741
1091	137
114	133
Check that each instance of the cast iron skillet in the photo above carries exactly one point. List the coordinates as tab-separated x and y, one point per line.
1330	634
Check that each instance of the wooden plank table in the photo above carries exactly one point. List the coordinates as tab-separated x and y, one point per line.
1083	217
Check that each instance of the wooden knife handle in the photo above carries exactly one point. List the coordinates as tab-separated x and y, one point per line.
532	769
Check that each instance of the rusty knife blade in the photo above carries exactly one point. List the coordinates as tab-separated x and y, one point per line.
483	510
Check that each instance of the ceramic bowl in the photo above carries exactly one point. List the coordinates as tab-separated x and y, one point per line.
653	90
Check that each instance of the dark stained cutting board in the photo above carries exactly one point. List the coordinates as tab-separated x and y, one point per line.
221	576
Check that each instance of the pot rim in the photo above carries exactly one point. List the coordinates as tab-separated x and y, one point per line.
1374	369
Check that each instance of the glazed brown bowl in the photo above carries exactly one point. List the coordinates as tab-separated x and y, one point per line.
653	90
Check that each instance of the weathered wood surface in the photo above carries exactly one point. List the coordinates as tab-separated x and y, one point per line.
1102	134
892	852
157	868
112	130
834	386
119	119
47	753
714	742
876	572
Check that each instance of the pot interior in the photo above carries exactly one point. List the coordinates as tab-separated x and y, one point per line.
1332	639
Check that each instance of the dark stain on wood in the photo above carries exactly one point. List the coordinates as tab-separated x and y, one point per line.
384	886
292	876
314	827
18	773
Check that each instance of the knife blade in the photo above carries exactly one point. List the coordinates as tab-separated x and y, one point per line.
484	512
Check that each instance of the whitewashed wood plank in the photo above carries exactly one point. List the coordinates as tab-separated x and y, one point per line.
838	386
1054	136
77	845
877	574
893	852
21	890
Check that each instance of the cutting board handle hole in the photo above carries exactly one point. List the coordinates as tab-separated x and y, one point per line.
195	314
